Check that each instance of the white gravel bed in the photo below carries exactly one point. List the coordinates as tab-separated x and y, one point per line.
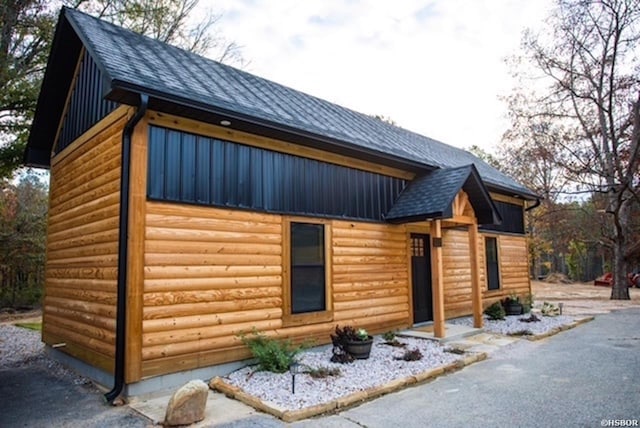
512	325
379	369
21	347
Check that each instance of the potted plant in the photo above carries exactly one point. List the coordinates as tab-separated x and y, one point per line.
349	343
512	305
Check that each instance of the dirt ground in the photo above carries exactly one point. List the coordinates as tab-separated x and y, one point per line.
12	317
581	299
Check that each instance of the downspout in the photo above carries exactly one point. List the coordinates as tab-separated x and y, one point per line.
123	250
536	205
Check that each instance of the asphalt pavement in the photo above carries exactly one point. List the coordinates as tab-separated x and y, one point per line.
585	377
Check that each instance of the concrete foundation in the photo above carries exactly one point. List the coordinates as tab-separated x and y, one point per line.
157	385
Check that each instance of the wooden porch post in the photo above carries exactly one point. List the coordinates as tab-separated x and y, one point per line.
476	291
438	281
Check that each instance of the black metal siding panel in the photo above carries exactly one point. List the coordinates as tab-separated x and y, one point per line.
512	218
194	169
86	106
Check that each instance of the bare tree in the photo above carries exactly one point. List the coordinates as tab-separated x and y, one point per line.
170	21
588	55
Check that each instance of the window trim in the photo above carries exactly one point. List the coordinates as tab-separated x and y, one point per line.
498	259
289	319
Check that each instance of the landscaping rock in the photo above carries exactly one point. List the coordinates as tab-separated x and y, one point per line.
187	405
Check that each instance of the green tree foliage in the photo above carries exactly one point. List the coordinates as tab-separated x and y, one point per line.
23	225
26	33
26	28
580	112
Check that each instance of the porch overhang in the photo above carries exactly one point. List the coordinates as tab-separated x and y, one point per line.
431	196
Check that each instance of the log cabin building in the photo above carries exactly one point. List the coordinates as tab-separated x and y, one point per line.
191	201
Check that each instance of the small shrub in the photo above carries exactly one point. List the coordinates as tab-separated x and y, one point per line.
411	355
272	355
323	372
529	299
550	310
345	334
531	318
389	336
512	298
495	311
341	357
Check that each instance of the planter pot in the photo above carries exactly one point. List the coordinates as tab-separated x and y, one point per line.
513	308
359	349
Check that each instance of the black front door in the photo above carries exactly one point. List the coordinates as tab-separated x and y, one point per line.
421	278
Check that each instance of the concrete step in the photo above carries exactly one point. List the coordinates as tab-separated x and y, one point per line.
453	332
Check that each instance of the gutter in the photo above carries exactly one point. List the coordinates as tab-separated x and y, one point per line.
123	250
536	205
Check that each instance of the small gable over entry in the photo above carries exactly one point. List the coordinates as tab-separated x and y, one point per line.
432	196
457	195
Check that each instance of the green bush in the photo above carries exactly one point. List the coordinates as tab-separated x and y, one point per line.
272	355
495	311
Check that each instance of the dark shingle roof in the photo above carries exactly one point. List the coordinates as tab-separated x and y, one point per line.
431	196
137	63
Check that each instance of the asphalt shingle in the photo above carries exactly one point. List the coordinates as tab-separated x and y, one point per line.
178	75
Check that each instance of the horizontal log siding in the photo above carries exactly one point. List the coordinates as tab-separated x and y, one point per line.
81	273
209	274
212	273
370	275
514	269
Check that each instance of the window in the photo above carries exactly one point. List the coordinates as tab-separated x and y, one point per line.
417	247
307	271
491	255
308	276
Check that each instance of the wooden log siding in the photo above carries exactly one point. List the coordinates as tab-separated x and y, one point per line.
212	273
514	273
209	274
370	275
81	271
514	268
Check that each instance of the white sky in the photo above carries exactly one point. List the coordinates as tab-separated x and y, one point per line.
435	67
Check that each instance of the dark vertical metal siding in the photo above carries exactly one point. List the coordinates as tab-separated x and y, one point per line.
86	106
193	169
512	218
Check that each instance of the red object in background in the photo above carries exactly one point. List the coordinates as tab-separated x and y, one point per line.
606	280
